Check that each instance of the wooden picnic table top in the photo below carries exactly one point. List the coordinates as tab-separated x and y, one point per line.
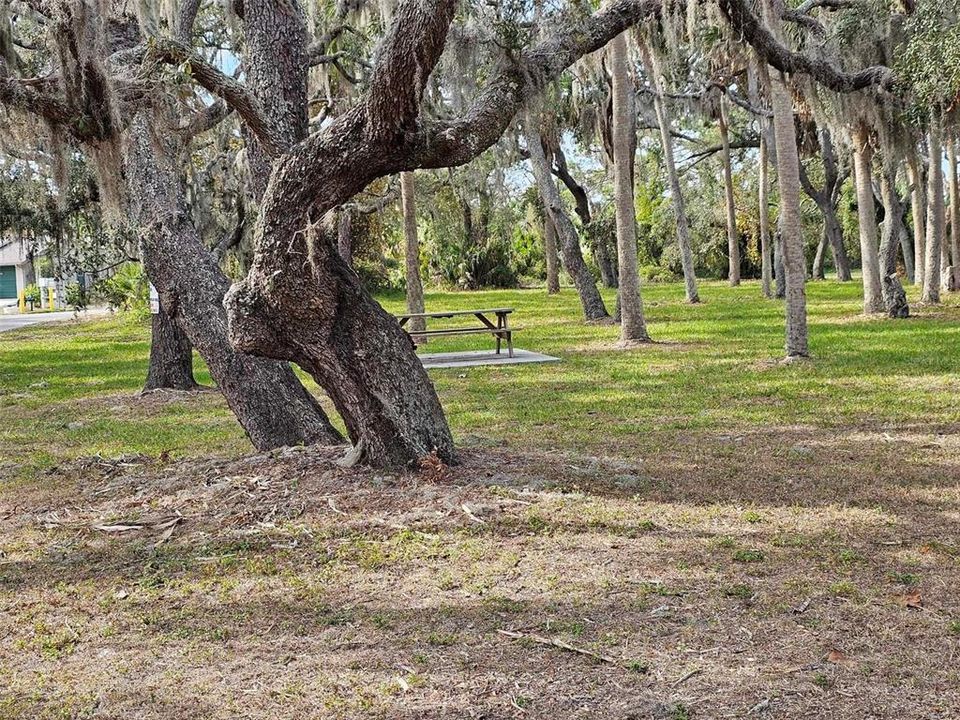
451	313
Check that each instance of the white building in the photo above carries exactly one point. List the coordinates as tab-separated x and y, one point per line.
14	270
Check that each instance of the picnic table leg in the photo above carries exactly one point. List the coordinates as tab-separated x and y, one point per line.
509	344
498	342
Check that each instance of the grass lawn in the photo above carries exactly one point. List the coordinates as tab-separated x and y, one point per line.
688	529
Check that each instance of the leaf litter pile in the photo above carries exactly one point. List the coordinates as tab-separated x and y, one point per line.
512	585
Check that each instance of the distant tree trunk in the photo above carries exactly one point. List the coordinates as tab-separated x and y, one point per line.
788	178
733	241
816	272
345	235
605	262
593	307
676	194
171	355
935	214
954	208
550	250
917	211
906	248
632	324
894	298
867	216
766	262
408	202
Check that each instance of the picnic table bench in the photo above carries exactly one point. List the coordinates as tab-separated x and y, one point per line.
500	329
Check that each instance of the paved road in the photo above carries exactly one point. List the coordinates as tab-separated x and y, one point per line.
12	322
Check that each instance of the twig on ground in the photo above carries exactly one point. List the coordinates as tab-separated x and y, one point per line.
686	677
556	642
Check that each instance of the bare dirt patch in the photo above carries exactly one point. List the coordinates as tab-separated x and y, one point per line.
797	573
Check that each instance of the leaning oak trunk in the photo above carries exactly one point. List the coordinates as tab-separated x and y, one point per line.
271	404
816	272
171	356
593	307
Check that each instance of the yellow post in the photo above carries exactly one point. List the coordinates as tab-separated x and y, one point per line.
23	301
52	301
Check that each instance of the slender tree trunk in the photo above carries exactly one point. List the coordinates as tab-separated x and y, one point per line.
894	298
593	307
733	240
918	211
867	216
171	355
788	179
935	214
632	324
816	272
345	235
605	261
268	400
676	194
834	235
906	249
952	189
766	261
550	251
412	251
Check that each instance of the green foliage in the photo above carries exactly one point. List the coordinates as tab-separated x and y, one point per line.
127	290
31	294
77	297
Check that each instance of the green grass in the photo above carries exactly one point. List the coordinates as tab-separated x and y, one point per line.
713	369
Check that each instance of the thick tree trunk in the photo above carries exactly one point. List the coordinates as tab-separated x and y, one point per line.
918	212
935	214
633	327
268	400
733	240
171	356
550	251
788	179
867	216
593	307
766	261
676	194
408	202
954	192
894	298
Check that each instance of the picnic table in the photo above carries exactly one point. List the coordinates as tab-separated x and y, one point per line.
499	328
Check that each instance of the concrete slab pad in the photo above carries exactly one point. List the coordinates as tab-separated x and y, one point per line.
482	357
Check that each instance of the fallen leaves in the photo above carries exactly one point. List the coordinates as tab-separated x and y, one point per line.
912	600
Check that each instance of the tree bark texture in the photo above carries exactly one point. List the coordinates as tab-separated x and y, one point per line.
271	404
788	179
918	211
766	261
867	216
171	355
632	324
894	297
954	192
550	252
408	201
733	239
935	214
345	235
